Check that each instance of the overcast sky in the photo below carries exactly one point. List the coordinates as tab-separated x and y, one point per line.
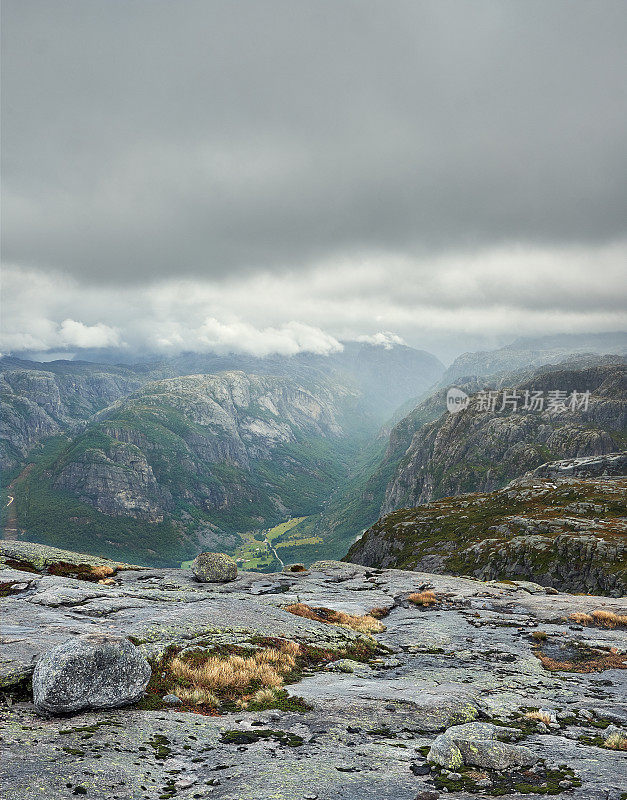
275	175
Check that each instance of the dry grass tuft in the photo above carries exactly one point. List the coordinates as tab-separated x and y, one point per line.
616	741
363	624
600	617
425	598
263	696
197	695
232	675
540	716
379	612
102	571
540	636
292	649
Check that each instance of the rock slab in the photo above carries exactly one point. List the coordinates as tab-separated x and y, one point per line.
91	671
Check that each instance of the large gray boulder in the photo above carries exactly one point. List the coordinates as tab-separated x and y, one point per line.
214	568
89	672
477	744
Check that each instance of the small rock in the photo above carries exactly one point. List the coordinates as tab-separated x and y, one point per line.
565	784
89	671
171	700
420	769
427	796
214	568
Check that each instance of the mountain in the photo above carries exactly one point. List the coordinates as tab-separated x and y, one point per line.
184	457
152	462
562	526
430	453
477	450
40	400
527	352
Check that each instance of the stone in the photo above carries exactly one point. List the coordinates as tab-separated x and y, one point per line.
477	744
171	700
91	671
214	568
494	755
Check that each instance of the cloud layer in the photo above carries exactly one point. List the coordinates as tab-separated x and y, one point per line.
282	174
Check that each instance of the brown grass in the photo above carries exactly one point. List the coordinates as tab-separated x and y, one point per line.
233	675
610	661
379	612
540	636
616	741
197	696
539	716
600	617
363	624
425	598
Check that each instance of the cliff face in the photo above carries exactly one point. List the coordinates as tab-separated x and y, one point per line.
36	402
481	450
184	458
566	530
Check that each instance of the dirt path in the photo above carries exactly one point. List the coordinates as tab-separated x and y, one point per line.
11	531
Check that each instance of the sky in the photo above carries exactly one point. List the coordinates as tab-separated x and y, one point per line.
276	176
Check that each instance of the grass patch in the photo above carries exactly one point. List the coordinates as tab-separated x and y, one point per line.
600	618
363	624
426	598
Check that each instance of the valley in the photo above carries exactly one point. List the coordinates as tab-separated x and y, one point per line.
287	465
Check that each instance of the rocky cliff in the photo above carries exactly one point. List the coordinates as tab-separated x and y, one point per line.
200	455
480	450
40	400
558	526
417	708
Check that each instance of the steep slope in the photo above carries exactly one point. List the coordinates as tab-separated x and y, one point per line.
187	457
558	527
40	400
481	450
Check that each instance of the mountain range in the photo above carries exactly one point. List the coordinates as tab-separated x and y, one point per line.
279	458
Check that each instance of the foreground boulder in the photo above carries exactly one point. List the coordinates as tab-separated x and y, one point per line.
214	568
89	672
477	744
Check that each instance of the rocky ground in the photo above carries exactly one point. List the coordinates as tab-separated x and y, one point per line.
364	727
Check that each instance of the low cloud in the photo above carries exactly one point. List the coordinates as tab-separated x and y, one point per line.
77	334
454	303
385	339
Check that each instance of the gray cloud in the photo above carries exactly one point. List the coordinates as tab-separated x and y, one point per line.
151	140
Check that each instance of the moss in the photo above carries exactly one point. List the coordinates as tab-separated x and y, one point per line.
161	746
20	564
91	728
249	737
524	781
